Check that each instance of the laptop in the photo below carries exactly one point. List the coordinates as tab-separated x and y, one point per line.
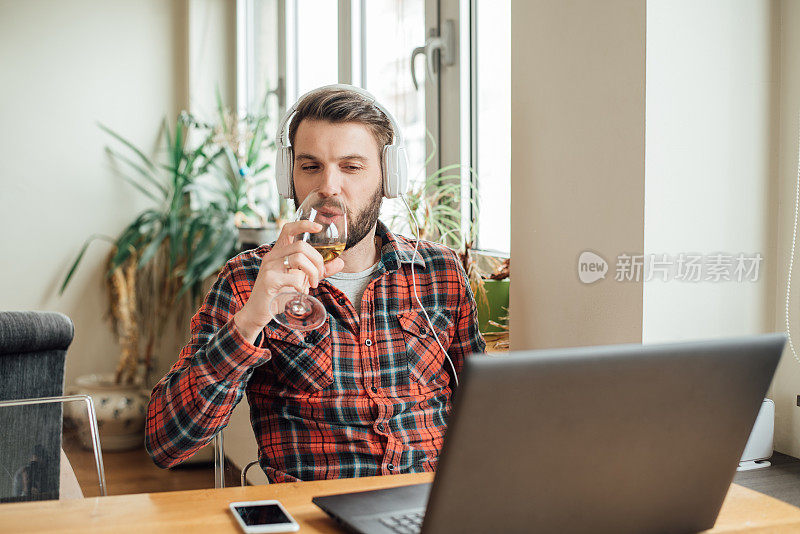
624	438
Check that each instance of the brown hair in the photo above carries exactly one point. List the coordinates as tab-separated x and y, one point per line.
341	105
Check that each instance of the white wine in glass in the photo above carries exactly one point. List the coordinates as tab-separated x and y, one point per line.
296	310
330	252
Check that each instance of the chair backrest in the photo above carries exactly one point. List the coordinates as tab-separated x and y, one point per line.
33	347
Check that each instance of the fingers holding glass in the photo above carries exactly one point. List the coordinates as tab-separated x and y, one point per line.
294	231
327	235
296	280
302	262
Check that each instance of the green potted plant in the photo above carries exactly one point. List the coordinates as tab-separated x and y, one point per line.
246	153
164	254
203	192
436	203
175	246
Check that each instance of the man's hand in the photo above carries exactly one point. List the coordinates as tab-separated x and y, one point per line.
306	270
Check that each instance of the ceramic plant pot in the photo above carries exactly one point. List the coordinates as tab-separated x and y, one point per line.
120	408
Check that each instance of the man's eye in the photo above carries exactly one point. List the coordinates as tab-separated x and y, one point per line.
352	167
310	167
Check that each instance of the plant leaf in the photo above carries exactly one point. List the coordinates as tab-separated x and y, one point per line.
77	261
152	248
167	135
262	169
140	187
220	109
128	144
145	173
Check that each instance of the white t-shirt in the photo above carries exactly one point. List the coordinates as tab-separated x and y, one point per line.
353	284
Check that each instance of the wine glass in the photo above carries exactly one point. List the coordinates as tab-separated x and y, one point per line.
296	310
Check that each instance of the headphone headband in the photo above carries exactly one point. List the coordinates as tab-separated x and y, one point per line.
282	139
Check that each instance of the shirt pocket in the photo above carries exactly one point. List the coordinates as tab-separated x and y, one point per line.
302	360
425	358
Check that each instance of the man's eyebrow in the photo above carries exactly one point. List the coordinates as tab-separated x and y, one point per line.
304	156
354	156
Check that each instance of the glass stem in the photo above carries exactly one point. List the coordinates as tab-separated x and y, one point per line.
299	301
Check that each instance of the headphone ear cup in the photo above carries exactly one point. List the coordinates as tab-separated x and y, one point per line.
395	171
386	168
402	170
283	171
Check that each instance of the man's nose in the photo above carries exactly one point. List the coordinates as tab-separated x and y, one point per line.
331	181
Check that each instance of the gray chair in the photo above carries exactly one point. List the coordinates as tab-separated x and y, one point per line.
33	347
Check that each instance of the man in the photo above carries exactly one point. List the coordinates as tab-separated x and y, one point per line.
369	392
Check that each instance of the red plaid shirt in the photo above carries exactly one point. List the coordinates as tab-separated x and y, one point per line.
362	395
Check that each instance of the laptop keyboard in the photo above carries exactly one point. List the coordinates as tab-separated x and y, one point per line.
409	523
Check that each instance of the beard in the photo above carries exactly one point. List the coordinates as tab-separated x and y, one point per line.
360	223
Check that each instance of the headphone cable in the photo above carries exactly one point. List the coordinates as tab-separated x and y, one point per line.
416	296
791	255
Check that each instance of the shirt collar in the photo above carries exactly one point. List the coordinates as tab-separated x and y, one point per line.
396	250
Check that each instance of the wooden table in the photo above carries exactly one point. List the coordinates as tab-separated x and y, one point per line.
207	510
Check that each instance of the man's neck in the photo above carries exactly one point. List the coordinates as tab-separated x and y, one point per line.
362	255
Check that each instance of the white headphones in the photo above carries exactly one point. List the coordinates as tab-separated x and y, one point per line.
394	161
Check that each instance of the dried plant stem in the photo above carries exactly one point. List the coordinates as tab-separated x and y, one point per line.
502	337
123	313
474	275
158	300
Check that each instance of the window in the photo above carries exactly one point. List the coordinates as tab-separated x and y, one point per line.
391	30
316	44
491	122
295	45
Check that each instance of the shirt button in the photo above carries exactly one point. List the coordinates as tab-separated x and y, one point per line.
423	331
368	342
380	427
374	389
390	467
342	301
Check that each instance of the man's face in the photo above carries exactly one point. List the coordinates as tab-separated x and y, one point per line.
341	159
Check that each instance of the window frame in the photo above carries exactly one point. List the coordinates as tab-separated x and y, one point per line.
452	120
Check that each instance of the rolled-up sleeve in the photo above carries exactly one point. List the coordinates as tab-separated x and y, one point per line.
195	399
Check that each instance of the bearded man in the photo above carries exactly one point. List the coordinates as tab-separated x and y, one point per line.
369	392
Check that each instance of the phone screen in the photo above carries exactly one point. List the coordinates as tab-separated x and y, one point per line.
262	514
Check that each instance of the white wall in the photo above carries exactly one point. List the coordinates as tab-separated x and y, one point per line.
711	94
577	168
786	385
723	94
67	66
